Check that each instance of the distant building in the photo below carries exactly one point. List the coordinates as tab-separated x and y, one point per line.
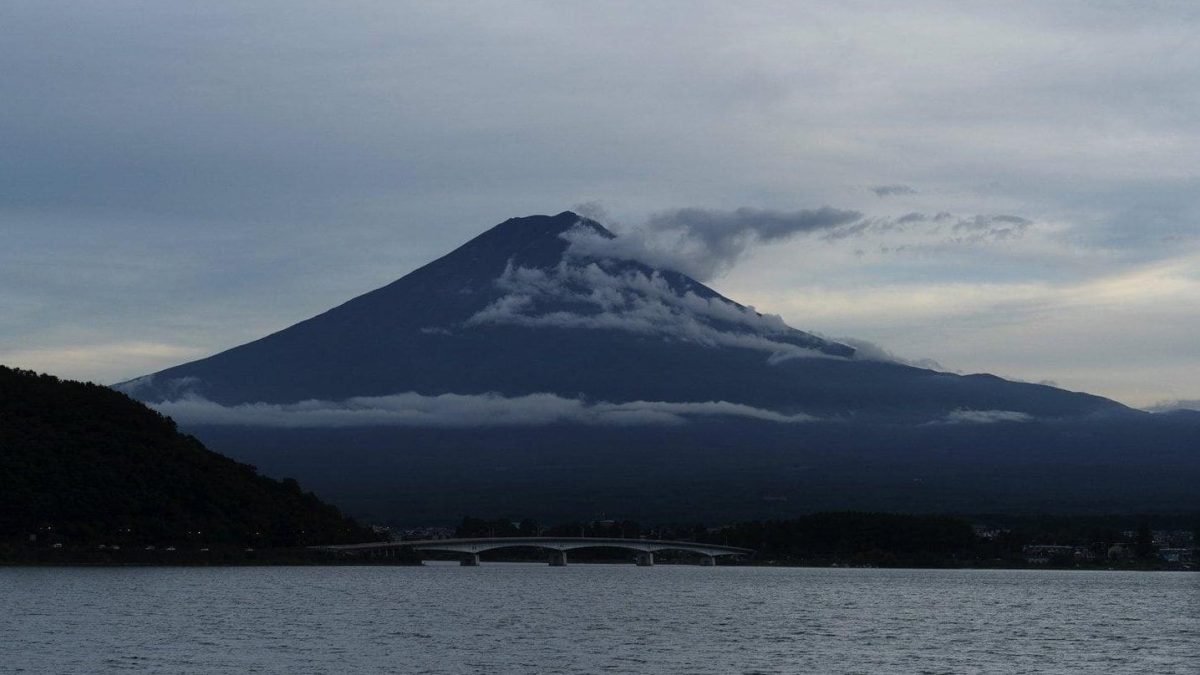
426	533
987	531
1173	538
1043	554
1177	555
1121	552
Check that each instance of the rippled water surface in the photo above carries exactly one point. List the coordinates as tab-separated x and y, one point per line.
523	618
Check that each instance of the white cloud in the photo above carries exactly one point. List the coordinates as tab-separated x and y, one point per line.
869	351
963	416
458	410
1181	404
588	296
666	251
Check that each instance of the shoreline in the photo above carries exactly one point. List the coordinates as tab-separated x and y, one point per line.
287	561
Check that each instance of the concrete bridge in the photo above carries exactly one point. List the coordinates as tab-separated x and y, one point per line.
556	546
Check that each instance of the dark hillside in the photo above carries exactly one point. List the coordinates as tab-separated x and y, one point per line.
81	462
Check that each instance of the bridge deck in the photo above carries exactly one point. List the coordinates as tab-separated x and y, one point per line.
479	545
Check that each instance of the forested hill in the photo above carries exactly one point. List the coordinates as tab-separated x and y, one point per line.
81	462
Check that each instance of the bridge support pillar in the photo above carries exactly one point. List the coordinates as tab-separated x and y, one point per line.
645	559
472	560
708	560
558	558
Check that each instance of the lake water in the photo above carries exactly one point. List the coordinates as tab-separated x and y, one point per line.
530	618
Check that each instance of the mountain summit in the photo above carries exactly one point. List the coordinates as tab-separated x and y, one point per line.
526	309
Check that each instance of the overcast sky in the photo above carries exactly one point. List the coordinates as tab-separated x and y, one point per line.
179	178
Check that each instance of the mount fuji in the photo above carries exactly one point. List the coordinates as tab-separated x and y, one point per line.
539	369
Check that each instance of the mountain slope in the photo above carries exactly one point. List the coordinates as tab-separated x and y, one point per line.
515	312
92	464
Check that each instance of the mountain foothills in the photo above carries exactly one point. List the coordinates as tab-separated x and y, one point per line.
82	462
548	368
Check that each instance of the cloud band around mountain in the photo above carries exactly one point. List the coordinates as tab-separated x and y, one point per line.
965	416
411	409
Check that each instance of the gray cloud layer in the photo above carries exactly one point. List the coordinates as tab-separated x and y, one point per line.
716	239
942	227
725	229
706	243
892	190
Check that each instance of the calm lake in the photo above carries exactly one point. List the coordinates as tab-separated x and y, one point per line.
525	618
